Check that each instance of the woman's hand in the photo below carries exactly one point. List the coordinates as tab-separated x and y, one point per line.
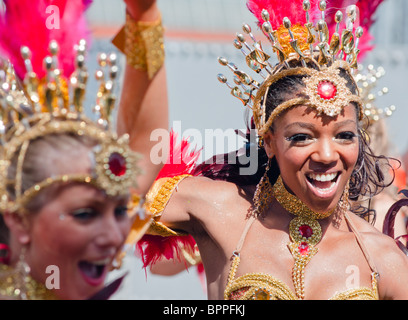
143	10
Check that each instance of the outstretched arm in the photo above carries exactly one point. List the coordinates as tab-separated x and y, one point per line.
143	103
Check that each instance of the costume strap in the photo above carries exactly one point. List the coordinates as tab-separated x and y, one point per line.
237	251
248	225
375	274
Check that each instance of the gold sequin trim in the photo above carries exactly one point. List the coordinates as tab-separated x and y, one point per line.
156	201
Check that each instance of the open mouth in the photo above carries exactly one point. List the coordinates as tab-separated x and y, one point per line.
94	272
323	183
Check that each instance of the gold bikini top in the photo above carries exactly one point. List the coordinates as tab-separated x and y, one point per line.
15	285
261	286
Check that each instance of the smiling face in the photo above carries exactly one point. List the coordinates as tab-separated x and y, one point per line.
316	154
73	227
80	231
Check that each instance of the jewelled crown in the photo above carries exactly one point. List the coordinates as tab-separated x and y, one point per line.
301	49
34	107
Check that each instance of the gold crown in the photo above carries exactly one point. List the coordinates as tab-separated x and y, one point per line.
32	108
320	58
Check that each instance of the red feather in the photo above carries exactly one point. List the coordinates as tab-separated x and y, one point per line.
181	160
155	248
34	23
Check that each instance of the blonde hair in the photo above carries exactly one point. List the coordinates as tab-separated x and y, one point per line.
35	169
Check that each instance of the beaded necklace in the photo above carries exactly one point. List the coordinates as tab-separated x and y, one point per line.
304	230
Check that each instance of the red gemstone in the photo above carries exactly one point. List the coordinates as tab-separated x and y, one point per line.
305	231
303	248
117	164
326	90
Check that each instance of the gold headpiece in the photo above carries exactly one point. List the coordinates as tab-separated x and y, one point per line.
304	50
33	108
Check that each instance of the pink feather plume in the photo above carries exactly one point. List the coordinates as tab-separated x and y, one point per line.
294	11
33	23
279	9
365	19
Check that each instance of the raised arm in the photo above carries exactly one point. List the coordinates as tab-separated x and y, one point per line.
143	103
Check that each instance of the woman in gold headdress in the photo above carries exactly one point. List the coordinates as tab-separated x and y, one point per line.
288	231
65	181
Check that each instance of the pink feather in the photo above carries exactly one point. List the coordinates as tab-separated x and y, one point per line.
28	22
294	11
279	9
365	19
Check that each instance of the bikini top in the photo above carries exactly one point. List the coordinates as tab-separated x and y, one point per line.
261	286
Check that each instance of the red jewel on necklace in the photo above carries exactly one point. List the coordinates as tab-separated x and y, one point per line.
117	164
305	231
303	248
326	90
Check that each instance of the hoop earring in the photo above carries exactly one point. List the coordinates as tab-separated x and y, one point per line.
263	193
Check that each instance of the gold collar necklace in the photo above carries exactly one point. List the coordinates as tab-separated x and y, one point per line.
304	230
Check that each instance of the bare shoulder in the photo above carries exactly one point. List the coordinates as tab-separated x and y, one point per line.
201	201
203	188
390	261
374	240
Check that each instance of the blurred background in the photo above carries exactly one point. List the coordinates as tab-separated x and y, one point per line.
197	33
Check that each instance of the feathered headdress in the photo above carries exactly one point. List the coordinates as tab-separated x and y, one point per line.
294	10
34	23
299	34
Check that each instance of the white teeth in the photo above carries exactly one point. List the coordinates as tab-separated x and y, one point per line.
322	177
101	262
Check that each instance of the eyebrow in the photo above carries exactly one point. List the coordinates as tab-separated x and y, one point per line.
344	123
300	124
311	126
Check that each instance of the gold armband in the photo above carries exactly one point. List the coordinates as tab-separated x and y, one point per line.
156	201
143	44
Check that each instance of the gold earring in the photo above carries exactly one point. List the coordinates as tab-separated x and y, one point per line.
344	204
22	279
263	193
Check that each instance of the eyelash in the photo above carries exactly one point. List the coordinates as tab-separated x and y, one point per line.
121	211
299	137
85	214
302	137
348	135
